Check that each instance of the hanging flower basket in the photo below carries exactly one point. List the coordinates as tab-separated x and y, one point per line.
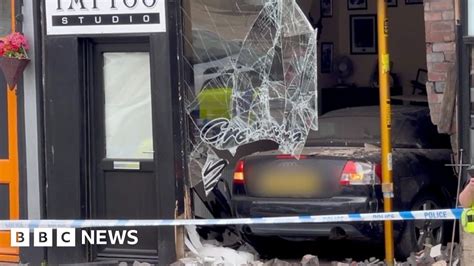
13	69
13	57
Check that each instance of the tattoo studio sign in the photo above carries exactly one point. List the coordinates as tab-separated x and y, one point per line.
64	17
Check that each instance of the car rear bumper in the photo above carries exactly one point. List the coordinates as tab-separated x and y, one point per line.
258	207
313	231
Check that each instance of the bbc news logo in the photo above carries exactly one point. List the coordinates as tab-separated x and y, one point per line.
66	237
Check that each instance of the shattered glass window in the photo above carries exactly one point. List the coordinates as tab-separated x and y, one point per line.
253	66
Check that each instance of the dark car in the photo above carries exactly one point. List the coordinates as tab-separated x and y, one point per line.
339	172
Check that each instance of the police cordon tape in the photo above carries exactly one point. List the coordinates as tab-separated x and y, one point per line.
444	214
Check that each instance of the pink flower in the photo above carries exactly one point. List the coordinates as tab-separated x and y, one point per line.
17	40
15	45
2	45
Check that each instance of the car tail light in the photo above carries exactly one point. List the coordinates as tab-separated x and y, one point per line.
239	173
359	173
378	171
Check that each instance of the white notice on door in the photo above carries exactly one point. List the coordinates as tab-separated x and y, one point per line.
121	165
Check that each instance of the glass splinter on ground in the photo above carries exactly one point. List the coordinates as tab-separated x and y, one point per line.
254	79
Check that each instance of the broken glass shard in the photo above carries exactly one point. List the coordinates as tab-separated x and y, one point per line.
254	79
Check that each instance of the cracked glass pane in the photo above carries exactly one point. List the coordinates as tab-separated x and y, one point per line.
254	69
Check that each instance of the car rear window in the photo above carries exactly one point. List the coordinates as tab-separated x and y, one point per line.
346	129
407	132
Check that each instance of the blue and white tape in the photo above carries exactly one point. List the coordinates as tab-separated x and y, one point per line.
445	214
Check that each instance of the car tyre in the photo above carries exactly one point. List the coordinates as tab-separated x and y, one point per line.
416	233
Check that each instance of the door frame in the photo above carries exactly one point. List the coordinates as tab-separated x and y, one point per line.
64	120
96	124
10	166
95	120
464	46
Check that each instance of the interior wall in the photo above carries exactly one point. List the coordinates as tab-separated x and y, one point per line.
406	41
329	33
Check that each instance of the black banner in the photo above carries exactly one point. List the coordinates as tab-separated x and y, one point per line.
100	20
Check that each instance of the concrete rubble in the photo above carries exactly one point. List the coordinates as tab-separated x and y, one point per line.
435	255
212	253
431	255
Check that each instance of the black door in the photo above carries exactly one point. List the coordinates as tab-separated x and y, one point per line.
123	182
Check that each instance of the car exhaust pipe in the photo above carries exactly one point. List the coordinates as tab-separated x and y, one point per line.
337	233
246	229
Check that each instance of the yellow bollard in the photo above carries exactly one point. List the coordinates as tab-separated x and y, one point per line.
385	123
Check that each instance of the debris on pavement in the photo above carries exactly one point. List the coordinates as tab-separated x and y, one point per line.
431	255
438	255
210	253
310	260
277	262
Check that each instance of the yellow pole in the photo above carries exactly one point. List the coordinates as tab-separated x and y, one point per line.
385	124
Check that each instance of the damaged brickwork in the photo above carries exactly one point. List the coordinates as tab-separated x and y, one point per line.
440	31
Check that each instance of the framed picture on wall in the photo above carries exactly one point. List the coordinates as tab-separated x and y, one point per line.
326	8
413	2
356	4
363	34
327	56
392	3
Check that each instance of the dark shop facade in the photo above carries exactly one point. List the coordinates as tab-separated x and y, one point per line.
104	123
95	61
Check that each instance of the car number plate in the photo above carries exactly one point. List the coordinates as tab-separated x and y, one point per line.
289	184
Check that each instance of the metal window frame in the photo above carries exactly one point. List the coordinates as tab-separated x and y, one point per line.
12	180
12	18
464	45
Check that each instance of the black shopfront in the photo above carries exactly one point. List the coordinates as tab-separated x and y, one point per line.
113	125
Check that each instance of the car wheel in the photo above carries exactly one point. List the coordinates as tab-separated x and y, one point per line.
417	233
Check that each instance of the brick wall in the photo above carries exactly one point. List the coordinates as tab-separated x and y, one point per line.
440	50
